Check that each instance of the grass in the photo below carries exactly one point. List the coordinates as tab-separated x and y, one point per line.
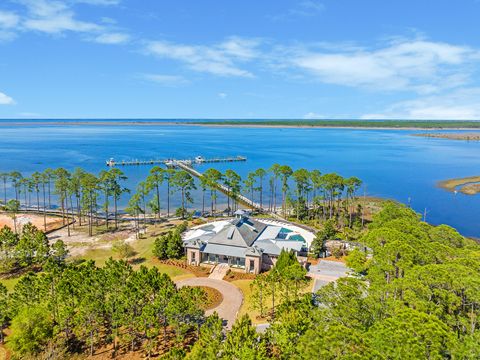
467	185
246	308
10	283
143	249
393	124
213	298
3	353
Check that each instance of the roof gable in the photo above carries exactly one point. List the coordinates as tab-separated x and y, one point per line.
240	232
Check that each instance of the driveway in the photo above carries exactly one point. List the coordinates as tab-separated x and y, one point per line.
325	272
232	297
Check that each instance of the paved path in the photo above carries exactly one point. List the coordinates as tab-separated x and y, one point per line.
232	297
325	272
219	272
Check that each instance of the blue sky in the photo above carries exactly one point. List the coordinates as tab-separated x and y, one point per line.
409	59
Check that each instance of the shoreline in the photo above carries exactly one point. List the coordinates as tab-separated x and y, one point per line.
217	125
467	185
468	136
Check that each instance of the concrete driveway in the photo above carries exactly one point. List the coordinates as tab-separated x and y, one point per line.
232	297
325	272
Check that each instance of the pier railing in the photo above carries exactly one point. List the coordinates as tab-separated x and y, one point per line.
172	162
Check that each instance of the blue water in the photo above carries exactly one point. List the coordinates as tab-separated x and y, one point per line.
391	163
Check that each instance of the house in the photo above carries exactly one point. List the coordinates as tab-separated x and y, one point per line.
242	242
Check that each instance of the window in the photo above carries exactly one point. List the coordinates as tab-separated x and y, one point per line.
252	266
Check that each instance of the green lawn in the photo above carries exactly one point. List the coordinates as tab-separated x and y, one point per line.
244	286
143	249
10	283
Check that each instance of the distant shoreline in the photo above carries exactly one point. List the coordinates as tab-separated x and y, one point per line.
452	136
468	185
337	125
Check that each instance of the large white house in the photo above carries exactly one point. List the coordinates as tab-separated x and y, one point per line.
244	243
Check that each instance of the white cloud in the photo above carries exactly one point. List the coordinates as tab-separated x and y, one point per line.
112	38
8	19
460	104
220	59
306	8
313	115
99	2
167	80
54	17
418	65
222	95
6	100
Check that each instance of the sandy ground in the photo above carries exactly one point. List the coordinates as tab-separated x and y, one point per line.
78	243
37	220
453	136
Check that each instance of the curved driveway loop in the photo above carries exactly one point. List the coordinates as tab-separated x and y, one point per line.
232	297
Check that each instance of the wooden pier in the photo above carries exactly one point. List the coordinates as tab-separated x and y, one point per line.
187	165
174	162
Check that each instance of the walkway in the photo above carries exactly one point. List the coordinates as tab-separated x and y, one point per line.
325	272
232	297
219	271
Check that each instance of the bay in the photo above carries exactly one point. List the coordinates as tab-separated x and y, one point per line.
392	163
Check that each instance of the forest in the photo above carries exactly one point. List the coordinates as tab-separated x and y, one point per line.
413	295
412	292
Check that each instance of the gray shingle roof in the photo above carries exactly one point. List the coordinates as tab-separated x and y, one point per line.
225	250
241	232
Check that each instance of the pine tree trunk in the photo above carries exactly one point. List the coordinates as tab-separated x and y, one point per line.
158	201
115	210
68	219
44	209
168	198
